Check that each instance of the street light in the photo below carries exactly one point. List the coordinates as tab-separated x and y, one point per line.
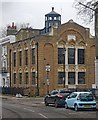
47	77
37	72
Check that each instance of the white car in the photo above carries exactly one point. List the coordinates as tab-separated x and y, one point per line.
18	95
80	100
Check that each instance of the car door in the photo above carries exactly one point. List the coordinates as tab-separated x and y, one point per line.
71	99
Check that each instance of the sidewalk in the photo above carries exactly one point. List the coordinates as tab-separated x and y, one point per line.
24	100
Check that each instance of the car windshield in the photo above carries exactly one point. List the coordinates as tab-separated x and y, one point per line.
62	91
86	97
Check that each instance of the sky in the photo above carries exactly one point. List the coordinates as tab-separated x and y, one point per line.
33	12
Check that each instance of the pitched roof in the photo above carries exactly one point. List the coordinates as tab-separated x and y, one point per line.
53	12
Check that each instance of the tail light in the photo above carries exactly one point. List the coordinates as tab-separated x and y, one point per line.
78	98
60	96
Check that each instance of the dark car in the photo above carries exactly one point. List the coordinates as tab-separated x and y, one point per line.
57	97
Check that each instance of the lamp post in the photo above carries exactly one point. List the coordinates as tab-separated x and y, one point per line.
37	72
47	77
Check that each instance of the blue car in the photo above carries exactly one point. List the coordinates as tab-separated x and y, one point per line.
80	100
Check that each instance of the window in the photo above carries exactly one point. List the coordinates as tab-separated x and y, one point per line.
56	23
81	78
81	56
33	78
86	97
54	92
20	78
45	18
59	18
61	56
71	36
71	55
14	59
14	78
33	56
26	57
4	50
49	24
71	78
4	62
61	77
20	58
26	77
50	18
73	95
55	18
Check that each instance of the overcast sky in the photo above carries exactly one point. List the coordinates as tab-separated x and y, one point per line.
33	12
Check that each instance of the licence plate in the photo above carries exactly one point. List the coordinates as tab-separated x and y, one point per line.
87	106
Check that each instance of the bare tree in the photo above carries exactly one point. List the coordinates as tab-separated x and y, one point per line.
85	10
3	30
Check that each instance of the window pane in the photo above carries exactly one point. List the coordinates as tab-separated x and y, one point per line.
20	58
20	76
61	56
26	78
81	78
26	56
81	56
61	76
71	78
71	55
33	56
33	78
14	59
14	78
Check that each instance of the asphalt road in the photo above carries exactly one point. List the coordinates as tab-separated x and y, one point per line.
35	108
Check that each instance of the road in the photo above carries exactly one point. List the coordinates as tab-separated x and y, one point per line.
33	109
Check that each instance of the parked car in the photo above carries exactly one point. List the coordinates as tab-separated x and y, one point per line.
80	100
56	97
18	95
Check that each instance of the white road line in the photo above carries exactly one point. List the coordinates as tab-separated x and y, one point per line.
43	115
29	110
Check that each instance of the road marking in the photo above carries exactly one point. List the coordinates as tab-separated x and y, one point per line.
43	115
29	110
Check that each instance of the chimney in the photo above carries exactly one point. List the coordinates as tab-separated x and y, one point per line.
11	30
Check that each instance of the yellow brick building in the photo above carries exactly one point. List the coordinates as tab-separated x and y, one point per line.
63	57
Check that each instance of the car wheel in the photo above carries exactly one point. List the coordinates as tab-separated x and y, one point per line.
56	104
76	107
46	103
66	106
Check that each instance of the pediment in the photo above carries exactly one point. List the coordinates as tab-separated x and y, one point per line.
61	42
81	43
72	43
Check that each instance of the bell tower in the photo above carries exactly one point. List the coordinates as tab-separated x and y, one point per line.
52	19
